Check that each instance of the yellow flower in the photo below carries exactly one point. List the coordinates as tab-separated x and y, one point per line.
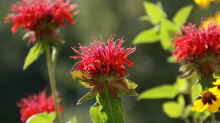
216	89
211	20
209	100
203	3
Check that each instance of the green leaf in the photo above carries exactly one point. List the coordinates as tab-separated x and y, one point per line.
172	59
88	96
97	115
108	109
182	15
148	36
181	85
173	109
154	12
181	100
164	91
167	32
196	90
130	84
42	118
33	54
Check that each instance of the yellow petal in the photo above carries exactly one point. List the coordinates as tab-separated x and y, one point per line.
216	91
198	106
217	82
213	107
203	3
213	90
207	22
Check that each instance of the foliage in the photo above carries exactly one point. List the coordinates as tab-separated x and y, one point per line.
107	109
164	91
164	29
174	109
42	118
33	54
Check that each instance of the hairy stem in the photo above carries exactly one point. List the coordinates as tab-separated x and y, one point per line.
51	55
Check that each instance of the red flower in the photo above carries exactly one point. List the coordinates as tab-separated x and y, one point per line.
41	16
104	58
195	43
36	104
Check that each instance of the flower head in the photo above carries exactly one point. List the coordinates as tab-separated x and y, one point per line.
103	65
195	43
208	100
104	58
35	104
41	16
199	47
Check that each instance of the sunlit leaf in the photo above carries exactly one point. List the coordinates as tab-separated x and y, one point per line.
147	36
181	100
172	59
130	84
181	85
42	118
167	32
96	114
33	54
173	109
196	90
154	12
182	15
164	91
126	87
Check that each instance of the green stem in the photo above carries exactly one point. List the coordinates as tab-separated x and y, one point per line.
107	109
213	120
51	55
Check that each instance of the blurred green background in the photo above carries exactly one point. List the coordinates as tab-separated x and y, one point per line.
98	19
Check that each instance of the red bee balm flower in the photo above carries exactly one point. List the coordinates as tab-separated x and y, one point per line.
41	16
195	43
36	104
104	58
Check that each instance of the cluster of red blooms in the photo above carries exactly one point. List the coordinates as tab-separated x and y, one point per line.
41	16
195	43
36	104
104	58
